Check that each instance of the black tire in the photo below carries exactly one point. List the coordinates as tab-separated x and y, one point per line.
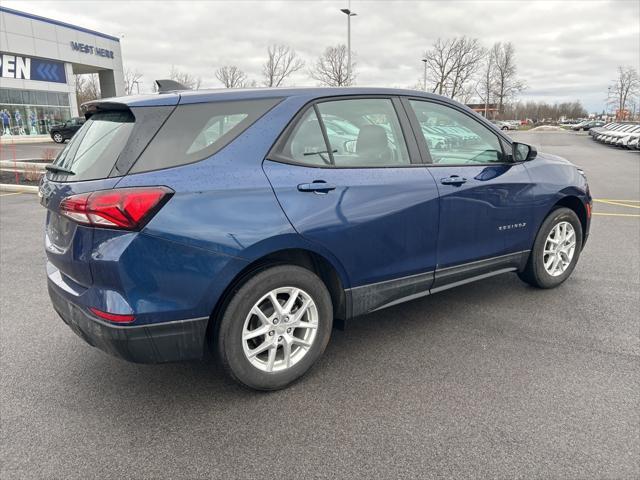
505	128
534	273
228	341
57	137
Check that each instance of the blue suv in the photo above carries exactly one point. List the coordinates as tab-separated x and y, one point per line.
246	221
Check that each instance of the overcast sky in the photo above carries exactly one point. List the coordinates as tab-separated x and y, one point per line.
565	50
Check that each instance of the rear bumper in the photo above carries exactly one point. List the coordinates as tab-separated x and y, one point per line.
152	343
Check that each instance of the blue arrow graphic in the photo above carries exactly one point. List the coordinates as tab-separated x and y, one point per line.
39	70
47	71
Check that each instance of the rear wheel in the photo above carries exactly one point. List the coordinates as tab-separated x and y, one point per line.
58	138
275	327
556	250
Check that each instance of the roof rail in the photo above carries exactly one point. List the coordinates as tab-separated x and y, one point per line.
169	86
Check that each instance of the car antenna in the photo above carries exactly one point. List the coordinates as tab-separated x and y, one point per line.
167	85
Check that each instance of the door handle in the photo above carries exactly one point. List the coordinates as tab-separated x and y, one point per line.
317	187
453	180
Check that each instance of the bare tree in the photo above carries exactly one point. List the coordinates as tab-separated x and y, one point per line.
468	55
440	63
131	81
625	88
231	76
505	82
485	85
87	88
452	63
184	78
539	111
281	62
331	68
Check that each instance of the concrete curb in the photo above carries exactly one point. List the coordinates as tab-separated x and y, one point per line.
11	165
10	140
8	187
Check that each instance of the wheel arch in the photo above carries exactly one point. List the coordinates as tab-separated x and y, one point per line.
574	203
301	257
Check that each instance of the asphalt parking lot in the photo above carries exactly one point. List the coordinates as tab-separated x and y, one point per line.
493	379
29	151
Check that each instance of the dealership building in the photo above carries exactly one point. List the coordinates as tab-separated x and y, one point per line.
39	59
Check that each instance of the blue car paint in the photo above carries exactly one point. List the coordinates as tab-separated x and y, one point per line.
381	223
472	214
235	207
72	254
553	179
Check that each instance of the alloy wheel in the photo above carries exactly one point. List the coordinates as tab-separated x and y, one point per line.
559	249
280	329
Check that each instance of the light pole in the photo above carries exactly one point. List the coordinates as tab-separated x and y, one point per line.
424	83
349	14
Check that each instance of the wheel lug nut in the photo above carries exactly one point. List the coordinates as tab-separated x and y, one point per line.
280	339
271	333
275	321
288	330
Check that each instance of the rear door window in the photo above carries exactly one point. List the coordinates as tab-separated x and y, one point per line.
364	132
352	133
196	131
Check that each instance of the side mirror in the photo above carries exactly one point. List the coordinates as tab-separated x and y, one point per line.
523	152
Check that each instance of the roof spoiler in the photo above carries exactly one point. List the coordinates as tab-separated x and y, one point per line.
95	106
167	85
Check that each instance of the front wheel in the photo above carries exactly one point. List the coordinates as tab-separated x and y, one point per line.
556	250
58	138
275	327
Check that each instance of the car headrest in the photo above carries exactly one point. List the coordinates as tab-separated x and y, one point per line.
372	138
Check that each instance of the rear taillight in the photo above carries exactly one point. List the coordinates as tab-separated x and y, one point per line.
123	208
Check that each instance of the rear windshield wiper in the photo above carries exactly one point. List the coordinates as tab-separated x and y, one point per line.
319	152
57	169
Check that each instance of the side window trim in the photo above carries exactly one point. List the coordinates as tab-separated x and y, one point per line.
422	143
416	130
416	157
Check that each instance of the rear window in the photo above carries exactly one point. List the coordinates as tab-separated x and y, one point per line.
94	149
196	131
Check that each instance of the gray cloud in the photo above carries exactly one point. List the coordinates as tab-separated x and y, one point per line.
566	50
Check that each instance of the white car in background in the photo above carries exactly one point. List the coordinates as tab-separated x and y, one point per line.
504	125
615	137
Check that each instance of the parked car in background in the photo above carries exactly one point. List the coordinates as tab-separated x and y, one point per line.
232	221
570	122
597	130
64	131
502	125
618	134
587	125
